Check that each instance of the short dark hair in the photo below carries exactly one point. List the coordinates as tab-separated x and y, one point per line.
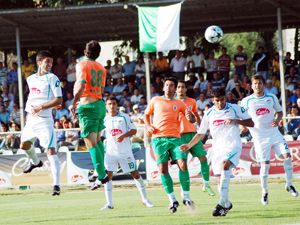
183	82
258	77
173	79
112	98
92	49
219	92
43	54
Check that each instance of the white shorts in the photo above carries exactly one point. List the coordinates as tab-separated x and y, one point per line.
126	162
220	155
40	128
263	146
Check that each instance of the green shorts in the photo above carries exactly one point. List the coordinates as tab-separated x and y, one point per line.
197	150
166	148
91	117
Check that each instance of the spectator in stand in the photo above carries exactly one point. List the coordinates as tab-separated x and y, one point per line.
13	140
289	85
270	89
131	87
293	74
240	62
231	83
161	65
71	74
200	85
15	114
119	88
27	69
158	84
60	69
142	87
261	59
295	96
137	116
238	92
196	63
209	91
128	106
136	97
230	98
3	128
124	97
202	102
71	136
69	100
224	64
276	82
4	115
245	81
140	70
108	86
12	79
129	70
293	125
177	65
3	75
288	62
211	66
143	104
153	91
218	81
60	134
248	88
190	83
116	71
107	67
61	111
275	65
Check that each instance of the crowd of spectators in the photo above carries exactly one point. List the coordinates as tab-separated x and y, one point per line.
202	70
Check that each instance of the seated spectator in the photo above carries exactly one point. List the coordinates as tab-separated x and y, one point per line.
135	98
276	82
200	85
71	74
15	114
275	65
153	92
270	89
142	87
108	86
61	111
140	70
248	88
293	74
4	115
69	100
27	69
131	87
13	140
202	102
218	81
3	128
128	106
295	96
60	134
12	79
137	116
209	91
119	88
72	136
289	85
124	97
231	83
159	85
60	69
190	83
230	98
293	125
143	104
288	62
238	92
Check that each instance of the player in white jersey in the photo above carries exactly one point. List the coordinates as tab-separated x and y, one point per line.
222	120
44	93
119	129
266	113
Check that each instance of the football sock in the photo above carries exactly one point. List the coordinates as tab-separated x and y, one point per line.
167	183
224	187
264	174
141	187
172	197
32	155
288	169
185	195
108	192
97	156
184	178
204	171
55	168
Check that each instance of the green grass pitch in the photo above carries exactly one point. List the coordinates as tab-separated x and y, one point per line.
81	206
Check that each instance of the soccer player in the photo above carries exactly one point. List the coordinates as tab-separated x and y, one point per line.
222	120
88	89
119	129
165	131
188	130
44	93
266	113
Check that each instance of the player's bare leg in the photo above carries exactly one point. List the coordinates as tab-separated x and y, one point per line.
141	187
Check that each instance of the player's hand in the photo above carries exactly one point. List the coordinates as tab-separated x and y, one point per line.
72	109
36	109
190	116
275	123
120	138
150	130
229	121
184	147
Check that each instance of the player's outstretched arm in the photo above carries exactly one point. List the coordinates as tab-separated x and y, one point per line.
54	102
128	134
246	123
149	128
195	140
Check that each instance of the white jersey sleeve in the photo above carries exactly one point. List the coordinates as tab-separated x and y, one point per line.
129	123
204	126
55	86
277	106
240	112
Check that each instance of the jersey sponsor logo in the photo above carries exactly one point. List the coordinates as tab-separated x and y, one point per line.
262	111
243	109
35	90
57	83
76	178
218	122
115	132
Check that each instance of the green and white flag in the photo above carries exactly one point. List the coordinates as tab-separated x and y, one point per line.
159	28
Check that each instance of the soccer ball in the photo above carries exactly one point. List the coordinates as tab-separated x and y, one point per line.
213	34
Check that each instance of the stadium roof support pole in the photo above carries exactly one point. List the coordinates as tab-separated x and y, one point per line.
20	83
280	50
147	65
